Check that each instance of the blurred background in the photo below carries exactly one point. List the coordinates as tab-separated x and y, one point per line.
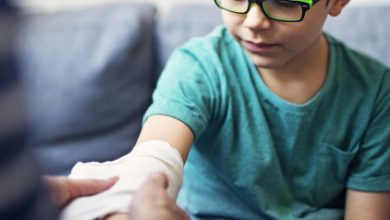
163	5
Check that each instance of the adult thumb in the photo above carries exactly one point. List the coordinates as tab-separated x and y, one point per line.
158	179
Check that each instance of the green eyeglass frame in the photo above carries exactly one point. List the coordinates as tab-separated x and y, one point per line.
305	4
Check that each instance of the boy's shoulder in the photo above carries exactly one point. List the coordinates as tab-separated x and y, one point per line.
357	71
353	59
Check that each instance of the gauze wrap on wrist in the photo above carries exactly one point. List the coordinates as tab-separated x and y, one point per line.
132	169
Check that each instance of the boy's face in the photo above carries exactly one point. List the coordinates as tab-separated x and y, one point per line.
274	44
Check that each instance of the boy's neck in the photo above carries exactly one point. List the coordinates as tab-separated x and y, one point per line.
301	79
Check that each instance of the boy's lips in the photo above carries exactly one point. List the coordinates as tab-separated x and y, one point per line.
258	47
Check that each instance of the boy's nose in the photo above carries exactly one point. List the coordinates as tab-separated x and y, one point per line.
256	19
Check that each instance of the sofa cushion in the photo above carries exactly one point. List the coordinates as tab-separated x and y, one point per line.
183	22
88	75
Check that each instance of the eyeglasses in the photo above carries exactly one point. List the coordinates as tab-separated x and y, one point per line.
277	10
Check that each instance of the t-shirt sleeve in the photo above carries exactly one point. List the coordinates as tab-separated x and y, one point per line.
370	169
184	92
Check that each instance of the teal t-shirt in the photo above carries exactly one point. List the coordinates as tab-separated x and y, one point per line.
257	156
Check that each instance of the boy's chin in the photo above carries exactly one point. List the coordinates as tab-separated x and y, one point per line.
267	64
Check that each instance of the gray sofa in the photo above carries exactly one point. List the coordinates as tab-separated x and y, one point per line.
89	73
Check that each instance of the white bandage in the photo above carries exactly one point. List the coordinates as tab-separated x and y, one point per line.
132	169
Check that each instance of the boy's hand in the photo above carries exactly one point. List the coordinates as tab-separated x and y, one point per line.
63	190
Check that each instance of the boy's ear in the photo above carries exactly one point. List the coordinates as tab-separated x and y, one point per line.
336	6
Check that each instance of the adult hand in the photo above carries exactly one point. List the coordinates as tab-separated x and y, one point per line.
63	189
151	202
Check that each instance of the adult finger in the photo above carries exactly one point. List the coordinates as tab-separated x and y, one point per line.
64	189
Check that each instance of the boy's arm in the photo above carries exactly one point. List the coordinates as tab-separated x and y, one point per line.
165	128
171	130
367	205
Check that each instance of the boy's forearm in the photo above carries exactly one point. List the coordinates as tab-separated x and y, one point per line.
367	205
175	132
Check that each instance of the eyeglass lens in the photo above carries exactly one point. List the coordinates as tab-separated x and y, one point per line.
274	9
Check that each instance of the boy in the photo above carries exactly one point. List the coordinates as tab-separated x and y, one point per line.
285	122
